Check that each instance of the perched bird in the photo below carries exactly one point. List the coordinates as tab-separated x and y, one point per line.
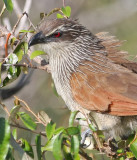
91	74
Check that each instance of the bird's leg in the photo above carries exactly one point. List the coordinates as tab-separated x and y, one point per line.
87	133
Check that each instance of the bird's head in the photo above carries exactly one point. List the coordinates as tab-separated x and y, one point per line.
54	35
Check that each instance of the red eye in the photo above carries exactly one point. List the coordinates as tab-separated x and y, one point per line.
57	35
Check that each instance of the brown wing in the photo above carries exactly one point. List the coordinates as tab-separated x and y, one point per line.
107	84
115	94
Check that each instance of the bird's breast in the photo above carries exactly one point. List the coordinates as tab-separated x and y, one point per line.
62	84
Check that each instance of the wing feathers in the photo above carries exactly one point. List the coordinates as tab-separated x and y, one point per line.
107	83
102	98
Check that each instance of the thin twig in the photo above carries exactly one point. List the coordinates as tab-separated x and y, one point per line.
17	23
21	39
28	109
46	67
30	21
84	155
94	133
5	108
21	127
81	152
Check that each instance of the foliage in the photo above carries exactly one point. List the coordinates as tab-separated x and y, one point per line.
8	4
63	142
4	137
36	53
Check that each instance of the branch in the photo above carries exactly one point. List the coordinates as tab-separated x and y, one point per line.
39	60
81	152
45	67
21	127
29	110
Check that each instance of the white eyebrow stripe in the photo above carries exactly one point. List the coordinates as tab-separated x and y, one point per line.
58	28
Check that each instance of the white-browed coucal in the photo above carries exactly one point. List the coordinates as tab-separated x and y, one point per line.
91	74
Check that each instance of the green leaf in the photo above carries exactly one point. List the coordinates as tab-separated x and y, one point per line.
10	155
12	41
133	147
8	4
72	118
6	81
66	11
11	72
129	155
38	146
4	138
59	130
49	145
121	158
57	153
130	139
27	120
26	31
13	59
21	49
13	113
72	130
75	147
36	53
20	54
92	127
51	131
120	151
59	16
25	49
66	153
12	76
27	147
50	128
100	134
76	157
14	133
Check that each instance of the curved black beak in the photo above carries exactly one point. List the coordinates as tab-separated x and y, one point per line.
36	39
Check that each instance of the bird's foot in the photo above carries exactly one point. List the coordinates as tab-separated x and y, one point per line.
86	137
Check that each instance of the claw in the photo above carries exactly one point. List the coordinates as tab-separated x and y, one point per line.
84	136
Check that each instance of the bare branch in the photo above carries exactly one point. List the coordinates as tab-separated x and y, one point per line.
5	108
29	110
20	127
17	23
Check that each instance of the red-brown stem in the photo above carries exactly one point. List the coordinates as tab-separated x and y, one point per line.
6	44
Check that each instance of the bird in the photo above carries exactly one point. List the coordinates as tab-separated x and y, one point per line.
91	74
